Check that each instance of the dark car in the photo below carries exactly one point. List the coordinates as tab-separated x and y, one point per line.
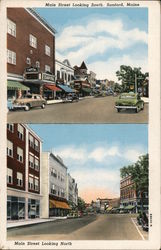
71	97
129	101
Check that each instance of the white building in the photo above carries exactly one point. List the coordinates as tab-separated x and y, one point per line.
72	190
54	172
64	72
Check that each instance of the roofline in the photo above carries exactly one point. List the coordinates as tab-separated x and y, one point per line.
50	153
43	22
32	131
56	60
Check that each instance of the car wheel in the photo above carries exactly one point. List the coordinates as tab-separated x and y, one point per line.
118	110
137	109
43	106
27	107
142	106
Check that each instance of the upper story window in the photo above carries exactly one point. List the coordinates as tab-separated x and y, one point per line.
47	50
36	186
31	161
47	68
28	60
36	145
11	57
38	64
33	41
11	28
19	179
9	176
19	154
10	127
36	164
53	189
31	141
20	131
9	148
31	182
54	173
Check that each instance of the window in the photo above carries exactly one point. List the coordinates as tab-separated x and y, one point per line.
19	154
37	64
53	189
9	176
62	178
31	141
9	148
20	132
19	179
58	74
28	60
33	41
47	68
31	161
36	164
36	185
11	28
11	57
10	127
54	173
31	182
36	145
47	50
58	175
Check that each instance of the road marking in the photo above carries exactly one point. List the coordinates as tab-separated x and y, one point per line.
138	229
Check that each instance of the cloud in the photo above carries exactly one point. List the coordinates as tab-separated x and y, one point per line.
97	37
100	154
133	154
70	152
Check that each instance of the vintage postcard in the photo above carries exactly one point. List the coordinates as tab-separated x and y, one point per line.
80	127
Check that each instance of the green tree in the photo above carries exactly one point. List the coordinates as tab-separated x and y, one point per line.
127	75
139	173
81	204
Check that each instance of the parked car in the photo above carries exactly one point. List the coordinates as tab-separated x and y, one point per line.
29	101
71	97
129	101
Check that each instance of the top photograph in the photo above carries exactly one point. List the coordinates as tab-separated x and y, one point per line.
77	65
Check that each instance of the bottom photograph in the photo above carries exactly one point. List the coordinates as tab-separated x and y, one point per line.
77	182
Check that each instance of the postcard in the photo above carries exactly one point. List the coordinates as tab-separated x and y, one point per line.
80	127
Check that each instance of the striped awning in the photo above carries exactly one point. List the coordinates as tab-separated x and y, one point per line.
58	204
14	85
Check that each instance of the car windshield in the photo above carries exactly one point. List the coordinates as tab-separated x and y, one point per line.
26	96
127	97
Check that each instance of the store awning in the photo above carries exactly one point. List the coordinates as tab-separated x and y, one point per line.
52	87
14	85
87	90
59	204
66	88
129	207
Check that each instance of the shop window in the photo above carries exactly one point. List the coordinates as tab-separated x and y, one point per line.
33	41
9	148
47	50
20	131
10	127
9	176
19	154
11	57
47	68
11	28
31	161
19	179
33	208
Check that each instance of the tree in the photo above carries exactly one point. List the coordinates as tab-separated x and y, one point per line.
139	173
127	77
81	204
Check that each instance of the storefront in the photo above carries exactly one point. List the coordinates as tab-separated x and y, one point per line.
65	90
58	208
16	89
15	208
51	91
33	208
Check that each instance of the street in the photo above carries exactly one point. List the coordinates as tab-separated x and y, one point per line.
90	227
89	110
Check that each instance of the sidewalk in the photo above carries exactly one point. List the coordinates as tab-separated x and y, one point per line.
60	100
22	223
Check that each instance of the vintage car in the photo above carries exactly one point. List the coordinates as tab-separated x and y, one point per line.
71	97
29	101
129	101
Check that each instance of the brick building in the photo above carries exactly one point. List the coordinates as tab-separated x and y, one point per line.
30	52
23	172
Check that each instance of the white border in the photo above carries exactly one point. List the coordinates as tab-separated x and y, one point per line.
154	131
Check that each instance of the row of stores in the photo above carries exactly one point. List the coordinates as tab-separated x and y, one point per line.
58	208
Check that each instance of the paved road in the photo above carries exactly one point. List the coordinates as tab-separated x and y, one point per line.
91	110
91	227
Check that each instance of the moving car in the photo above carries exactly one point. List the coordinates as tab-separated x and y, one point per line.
29	101
129	101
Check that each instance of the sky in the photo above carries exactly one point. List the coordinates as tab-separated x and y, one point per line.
104	38
94	154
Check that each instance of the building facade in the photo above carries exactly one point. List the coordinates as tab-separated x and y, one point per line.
64	72
54	186
23	172
72	191
30	52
